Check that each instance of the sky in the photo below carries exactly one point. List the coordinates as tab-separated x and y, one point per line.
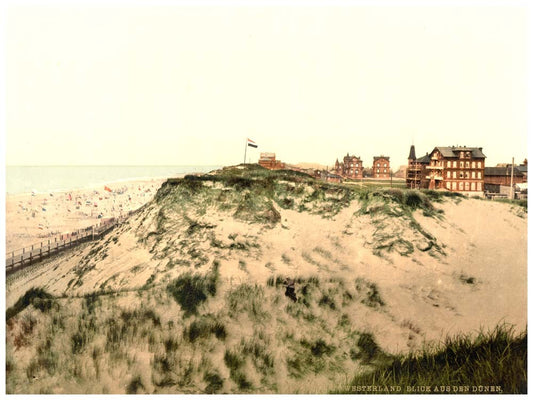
175	84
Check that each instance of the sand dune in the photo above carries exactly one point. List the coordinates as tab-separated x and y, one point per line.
366	266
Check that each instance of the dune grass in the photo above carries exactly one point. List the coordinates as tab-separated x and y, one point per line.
496	359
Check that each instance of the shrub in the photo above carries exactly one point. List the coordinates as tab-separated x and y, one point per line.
37	297
190	291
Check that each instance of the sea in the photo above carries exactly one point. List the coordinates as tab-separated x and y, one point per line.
44	179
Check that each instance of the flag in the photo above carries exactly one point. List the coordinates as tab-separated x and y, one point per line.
108	189
251	143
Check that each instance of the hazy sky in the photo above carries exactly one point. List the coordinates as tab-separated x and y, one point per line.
186	85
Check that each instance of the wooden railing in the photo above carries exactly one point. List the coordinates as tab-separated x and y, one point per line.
18	259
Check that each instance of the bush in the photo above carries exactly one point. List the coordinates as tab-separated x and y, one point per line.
190	291
37	297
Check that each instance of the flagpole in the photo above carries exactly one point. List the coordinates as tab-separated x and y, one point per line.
245	148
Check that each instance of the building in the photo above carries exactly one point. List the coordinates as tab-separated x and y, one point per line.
351	167
458	169
415	173
268	160
502	175
381	167
326	176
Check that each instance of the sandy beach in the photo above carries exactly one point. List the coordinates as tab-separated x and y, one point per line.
34	217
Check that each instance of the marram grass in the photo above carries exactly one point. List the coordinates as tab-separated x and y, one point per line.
492	362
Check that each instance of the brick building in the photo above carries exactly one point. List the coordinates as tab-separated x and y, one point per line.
415	174
268	160
351	167
458	169
381	167
502	175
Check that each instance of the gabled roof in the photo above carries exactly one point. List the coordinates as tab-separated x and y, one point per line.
453	151
378	157
501	171
423	160
522	168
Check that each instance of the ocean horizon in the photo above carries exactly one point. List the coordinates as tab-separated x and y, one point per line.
44	179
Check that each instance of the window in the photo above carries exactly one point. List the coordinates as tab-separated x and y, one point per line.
479	184
448	174
454	185
356	172
467	186
351	165
460	185
378	164
455	164
461	175
357	164
462	154
461	165
479	164
448	185
385	165
479	175
454	174
467	175
449	164
467	164
378	171
384	170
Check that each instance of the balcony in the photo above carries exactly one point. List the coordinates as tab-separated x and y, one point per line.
435	166
435	177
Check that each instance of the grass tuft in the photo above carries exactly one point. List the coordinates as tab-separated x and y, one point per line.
497	358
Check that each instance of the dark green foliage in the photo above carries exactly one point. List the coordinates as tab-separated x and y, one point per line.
235	362
239	377
135	385
132	317
326	300
214	382
520	203
247	298
369	291
320	348
368	349
190	290
78	342
203	328
37	297
497	358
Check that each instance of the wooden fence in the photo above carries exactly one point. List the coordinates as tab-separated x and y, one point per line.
18	259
